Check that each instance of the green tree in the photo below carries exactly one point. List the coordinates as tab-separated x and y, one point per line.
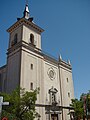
78	108
22	105
88	105
85	97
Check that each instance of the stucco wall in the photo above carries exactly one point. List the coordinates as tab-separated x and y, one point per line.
39	76
67	89
26	65
26	36
17	31
2	78
13	70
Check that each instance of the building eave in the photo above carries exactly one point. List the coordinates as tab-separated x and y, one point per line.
2	67
55	61
27	22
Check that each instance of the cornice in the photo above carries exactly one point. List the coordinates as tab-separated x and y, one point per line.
26	22
50	59
2	67
61	63
46	57
65	64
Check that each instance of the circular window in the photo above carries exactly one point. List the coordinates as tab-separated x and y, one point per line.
51	73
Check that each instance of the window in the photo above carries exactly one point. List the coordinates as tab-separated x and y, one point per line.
32	39
31	86
67	80
68	94
15	39
0	76
31	66
0	82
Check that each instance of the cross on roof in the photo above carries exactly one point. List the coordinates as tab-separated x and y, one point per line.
1	104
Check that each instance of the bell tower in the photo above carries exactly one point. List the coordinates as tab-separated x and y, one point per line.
25	30
24	35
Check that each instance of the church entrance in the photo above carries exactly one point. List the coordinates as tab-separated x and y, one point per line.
54	116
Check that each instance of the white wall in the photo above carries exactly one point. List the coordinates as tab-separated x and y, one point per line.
2	78
18	31
26	36
13	71
67	87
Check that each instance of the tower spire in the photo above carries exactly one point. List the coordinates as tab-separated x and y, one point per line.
26	13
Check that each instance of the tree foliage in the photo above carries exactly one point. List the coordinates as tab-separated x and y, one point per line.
78	108
21	105
82	106
88	103
85	98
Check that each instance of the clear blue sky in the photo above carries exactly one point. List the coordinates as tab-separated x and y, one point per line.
67	32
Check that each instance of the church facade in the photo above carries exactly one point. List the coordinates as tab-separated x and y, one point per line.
28	67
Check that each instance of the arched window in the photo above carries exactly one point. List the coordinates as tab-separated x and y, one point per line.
0	81
15	38
68	94
31	66
67	80
31	86
0	76
32	38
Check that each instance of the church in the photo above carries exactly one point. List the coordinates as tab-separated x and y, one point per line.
28	67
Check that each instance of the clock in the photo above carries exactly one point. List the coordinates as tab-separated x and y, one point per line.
51	73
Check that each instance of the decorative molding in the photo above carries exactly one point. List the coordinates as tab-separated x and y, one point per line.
51	73
27	22
3	67
38	51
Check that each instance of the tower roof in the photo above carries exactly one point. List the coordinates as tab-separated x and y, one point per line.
26	13
25	20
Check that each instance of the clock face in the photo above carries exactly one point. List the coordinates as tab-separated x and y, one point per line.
51	73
